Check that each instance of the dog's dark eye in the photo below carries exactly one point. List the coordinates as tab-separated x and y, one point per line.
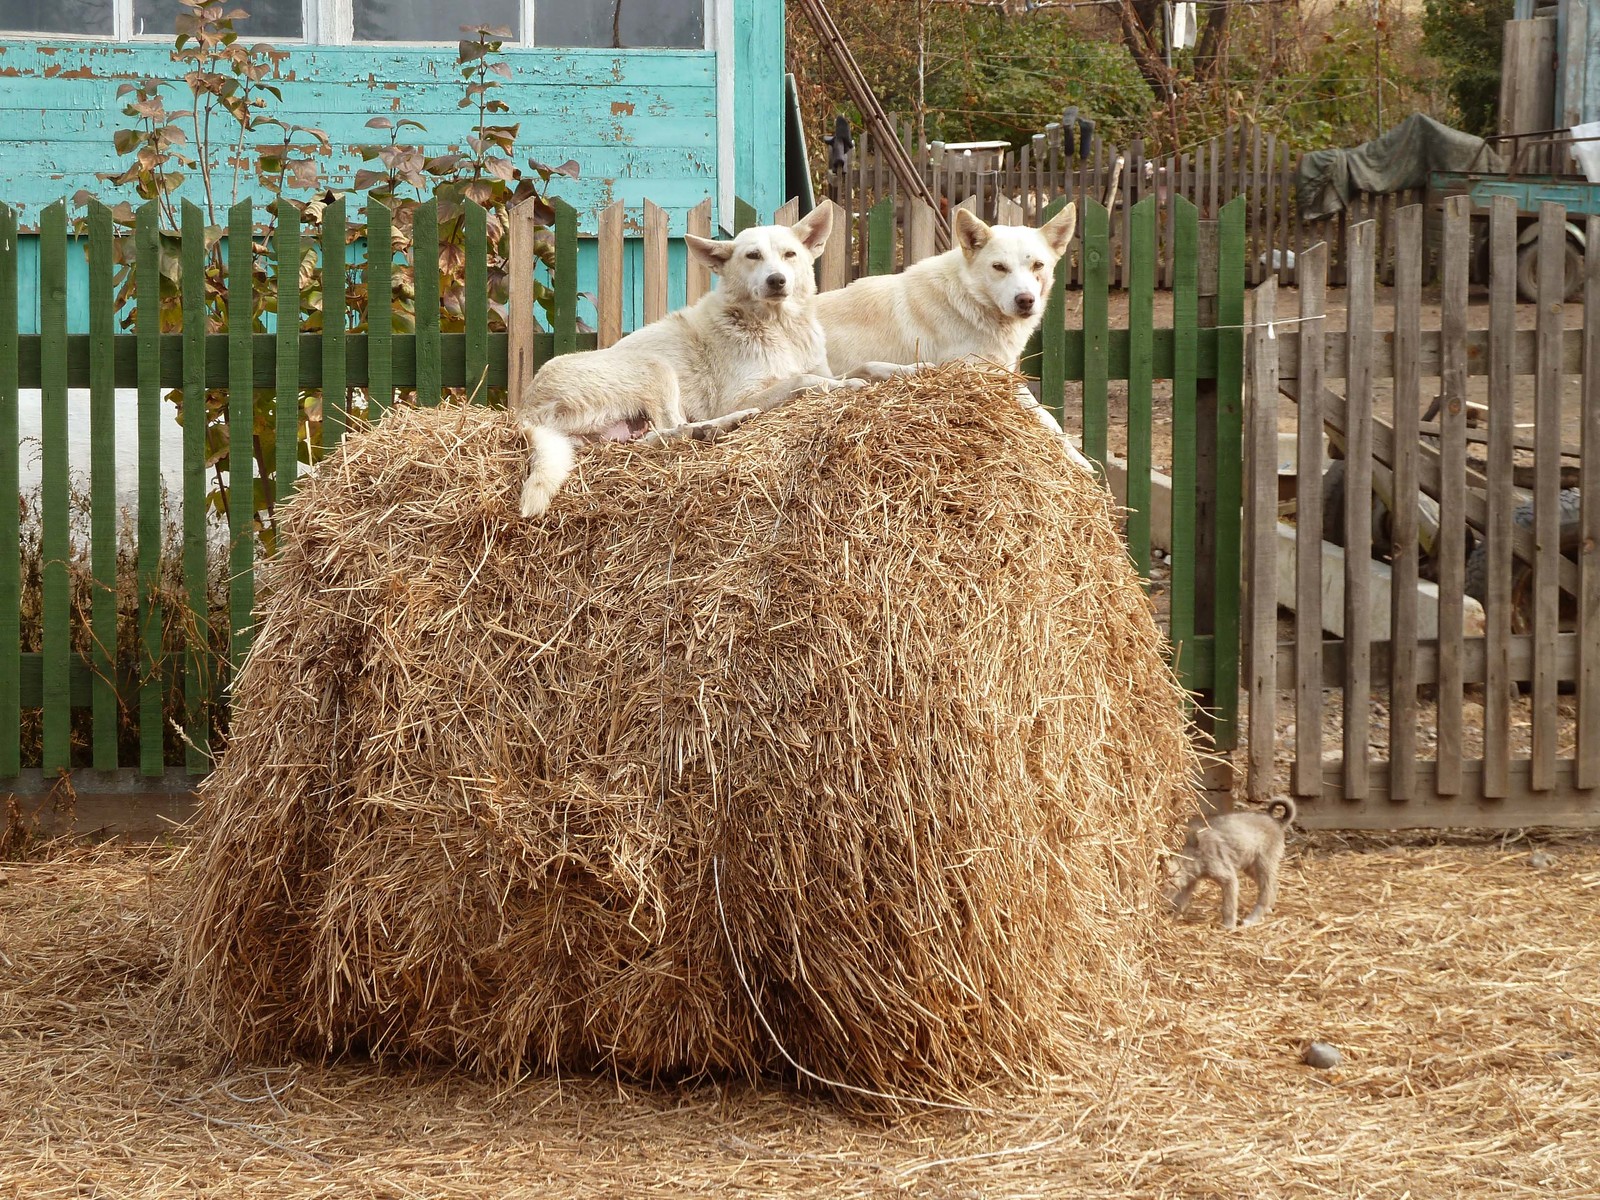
788	253
1038	266
754	256
1001	267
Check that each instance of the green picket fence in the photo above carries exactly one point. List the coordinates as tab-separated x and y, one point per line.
366	362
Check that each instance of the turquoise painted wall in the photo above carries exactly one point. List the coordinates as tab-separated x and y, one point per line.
642	124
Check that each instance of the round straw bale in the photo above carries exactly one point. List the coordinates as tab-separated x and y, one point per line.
844	744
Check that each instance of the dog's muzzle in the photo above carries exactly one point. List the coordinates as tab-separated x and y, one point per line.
1024	303
777	286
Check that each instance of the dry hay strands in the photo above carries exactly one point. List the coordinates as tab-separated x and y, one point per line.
877	661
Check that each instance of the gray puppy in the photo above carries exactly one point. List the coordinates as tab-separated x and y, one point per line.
1222	847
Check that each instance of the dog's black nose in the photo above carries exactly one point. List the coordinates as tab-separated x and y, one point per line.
777	282
1024	304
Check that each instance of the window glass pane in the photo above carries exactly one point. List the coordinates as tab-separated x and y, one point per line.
429	20
619	24
56	16
268	19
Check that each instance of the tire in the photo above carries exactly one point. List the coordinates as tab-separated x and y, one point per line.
1333	511
1477	571
1528	271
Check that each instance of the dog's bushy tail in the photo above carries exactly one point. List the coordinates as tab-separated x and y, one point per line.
1283	811
548	468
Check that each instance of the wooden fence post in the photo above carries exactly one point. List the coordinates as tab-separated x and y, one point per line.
1261	537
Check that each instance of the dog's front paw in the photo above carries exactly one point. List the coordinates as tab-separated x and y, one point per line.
850	383
878	372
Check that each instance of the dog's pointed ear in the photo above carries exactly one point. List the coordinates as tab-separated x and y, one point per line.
1058	230
813	228
971	233
709	254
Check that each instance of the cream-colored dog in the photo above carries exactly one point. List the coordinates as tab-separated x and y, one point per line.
980	300
741	349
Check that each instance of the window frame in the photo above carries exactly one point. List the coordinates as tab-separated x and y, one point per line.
332	23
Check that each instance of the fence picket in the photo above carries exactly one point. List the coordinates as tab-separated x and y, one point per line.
1358	515
10	515
608	286
564	279
1262	539
655	263
1053	336
286	392
699	278
103	458
335	399
425	285
152	734
1308	527
880	238
380	308
241	416
1586	771
1185	499
1502	416
1450	553
1096	342
55	544
1546	494
1230	483
1141	371
475	299
197	676
1403	555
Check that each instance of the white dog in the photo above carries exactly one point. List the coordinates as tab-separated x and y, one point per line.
741	349
980	300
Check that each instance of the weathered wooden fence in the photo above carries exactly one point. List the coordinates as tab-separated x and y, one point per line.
107	701
1243	162
1447	712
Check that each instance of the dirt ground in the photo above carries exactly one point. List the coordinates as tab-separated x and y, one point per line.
1455	976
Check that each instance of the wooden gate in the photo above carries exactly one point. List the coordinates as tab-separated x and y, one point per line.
1469	450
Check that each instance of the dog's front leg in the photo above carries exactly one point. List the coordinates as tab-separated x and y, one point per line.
700	431
1230	899
780	391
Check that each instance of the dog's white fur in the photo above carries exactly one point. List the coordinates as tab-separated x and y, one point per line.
751	344
982	299
1220	847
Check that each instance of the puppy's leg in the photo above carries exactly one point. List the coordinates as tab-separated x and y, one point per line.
1229	880
548	468
1266	873
1180	898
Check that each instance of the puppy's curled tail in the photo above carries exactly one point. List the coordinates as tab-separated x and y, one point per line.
548	468
1283	811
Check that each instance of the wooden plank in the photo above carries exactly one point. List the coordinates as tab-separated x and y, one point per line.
1524	354
55	543
1358	513
1546	493
1261	535
880	238
1502	414
103	453
1450	553
1053	336
1141	321
152	731
655	263
241	420
1229	473
608	291
475	299
745	216
10	516
1586	772
1308	550
564	279
698	278
788	212
335	397
425	278
1403	551
286	391
1185	489
920	228
833	268
380	303
197	665
1473	657
1519	808
1096	282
